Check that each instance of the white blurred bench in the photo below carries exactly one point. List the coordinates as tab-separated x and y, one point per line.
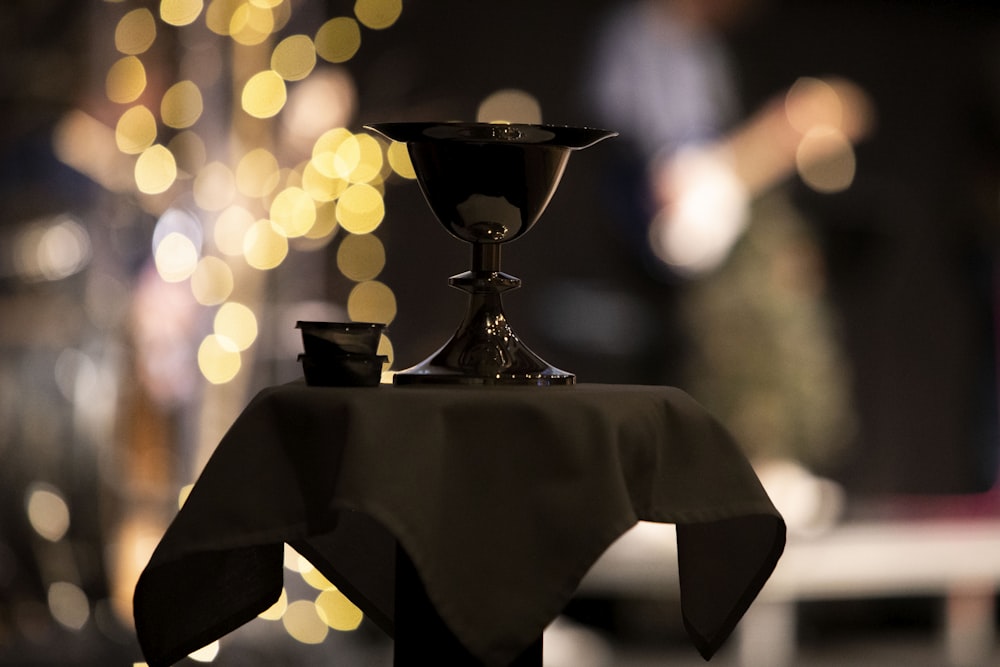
957	560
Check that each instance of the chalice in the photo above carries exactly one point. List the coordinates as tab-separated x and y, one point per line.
488	184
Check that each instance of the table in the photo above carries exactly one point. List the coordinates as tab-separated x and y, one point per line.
502	497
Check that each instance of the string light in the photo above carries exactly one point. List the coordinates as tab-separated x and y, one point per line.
254	205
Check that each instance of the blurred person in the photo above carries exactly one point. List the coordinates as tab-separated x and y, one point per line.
909	249
844	325
697	184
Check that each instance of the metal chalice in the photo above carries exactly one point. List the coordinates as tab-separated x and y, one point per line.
488	184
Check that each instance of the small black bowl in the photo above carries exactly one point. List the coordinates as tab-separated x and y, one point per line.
345	370
329	338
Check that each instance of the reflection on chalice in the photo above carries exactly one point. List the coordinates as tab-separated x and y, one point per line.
487	184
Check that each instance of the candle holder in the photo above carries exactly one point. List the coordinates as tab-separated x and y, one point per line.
487	184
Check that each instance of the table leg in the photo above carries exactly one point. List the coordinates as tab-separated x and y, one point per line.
422	635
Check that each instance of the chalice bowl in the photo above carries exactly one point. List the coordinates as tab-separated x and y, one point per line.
488	184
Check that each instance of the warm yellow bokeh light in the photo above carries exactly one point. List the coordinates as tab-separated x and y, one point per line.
251	25
126	80
338	39
258	173
207	653
385	349
321	187
336	153
218	359
214	187
219	15
326	221
337	611
370	160
378	14
190	152
265	245
361	257
399	159
293	211
155	170
264	94
237	323
510	105
212	281
135	32
180	12
175	257
276	610
360	209
371	301
266	4
135	130
294	58
302	621
181	105
315	578
292	560
231	229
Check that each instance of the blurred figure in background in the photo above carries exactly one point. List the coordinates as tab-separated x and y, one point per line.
825	319
704	214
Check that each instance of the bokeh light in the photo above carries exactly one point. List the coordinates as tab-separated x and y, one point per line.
303	622
360	209
176	257
398	156
294	57
237	323
68	604
135	130
218	359
126	80
47	511
212	281
326	222
337	611
321	187
276	610
135	32
264	94
182	105
371	301
336	153
206	653
338	39
293	211
180	12
370	161
251	24
510	105
265	246
825	160
378	14
361	257
155	170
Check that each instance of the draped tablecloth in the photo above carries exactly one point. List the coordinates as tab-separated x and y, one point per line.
503	497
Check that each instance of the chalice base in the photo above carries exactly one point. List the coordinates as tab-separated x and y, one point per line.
484	350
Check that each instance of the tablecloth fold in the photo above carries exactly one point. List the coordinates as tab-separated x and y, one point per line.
503	498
